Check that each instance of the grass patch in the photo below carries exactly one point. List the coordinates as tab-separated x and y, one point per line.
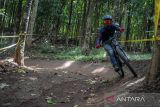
139	56
74	53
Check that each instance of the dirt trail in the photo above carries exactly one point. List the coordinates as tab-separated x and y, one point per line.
64	84
100	69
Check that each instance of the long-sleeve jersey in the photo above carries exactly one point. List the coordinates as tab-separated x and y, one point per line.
106	32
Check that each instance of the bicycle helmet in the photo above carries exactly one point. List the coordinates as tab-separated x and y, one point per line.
107	17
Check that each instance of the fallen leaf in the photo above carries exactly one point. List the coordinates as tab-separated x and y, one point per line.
21	71
76	105
50	100
33	94
65	72
3	85
33	78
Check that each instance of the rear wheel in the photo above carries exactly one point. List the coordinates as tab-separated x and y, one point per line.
131	69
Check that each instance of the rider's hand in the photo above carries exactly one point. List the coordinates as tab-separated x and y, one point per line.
122	29
98	46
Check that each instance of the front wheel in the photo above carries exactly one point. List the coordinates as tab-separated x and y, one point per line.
125	60
120	71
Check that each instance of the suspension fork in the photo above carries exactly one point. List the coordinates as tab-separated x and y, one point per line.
116	56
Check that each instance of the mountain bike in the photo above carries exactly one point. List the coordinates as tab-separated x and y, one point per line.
120	57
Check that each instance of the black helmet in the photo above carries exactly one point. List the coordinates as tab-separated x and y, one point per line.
107	17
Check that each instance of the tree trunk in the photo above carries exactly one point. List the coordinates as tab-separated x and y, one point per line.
128	27
19	51
90	10
154	73
3	19
18	18
149	28
82	31
31	23
69	22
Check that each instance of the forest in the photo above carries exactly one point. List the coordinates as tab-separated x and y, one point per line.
48	54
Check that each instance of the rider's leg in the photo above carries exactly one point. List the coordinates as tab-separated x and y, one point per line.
110	52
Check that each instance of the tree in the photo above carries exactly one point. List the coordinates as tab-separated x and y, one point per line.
90	10
154	72
32	22
60	20
128	26
3	17
19	51
69	21
18	17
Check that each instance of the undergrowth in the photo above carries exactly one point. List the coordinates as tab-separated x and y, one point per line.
74	53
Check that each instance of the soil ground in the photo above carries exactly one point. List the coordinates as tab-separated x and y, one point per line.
55	83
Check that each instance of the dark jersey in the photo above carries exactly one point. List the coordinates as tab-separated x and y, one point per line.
106	32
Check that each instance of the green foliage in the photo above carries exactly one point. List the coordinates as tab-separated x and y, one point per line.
56	19
74	53
3	44
2	12
53	15
140	56
24	2
50	100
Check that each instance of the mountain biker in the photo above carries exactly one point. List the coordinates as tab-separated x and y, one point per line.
105	33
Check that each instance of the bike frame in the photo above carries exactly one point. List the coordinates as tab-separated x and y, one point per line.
118	50
121	57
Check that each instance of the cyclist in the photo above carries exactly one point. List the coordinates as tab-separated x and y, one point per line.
105	33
